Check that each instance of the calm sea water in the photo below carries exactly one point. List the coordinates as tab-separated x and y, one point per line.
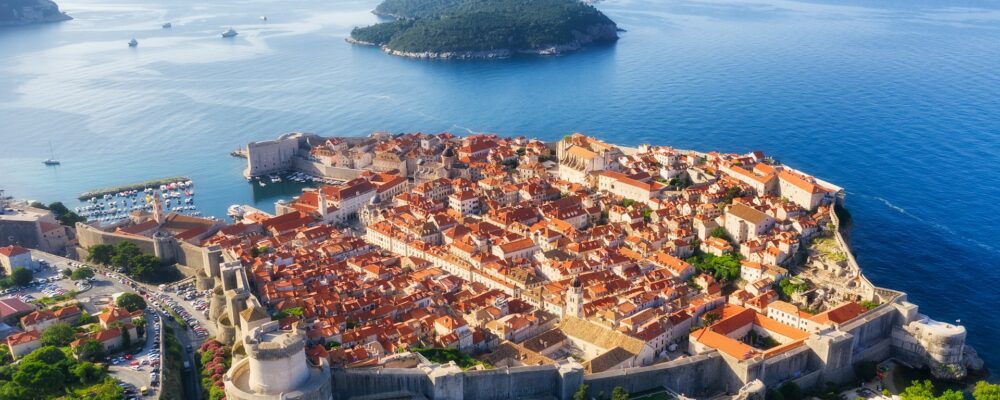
899	103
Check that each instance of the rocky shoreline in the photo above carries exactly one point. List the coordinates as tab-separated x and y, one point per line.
595	34
25	12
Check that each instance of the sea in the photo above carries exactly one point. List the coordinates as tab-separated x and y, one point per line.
896	101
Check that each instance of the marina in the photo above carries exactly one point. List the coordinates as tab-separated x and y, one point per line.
114	206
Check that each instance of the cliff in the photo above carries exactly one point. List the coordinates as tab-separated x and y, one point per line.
466	29
19	12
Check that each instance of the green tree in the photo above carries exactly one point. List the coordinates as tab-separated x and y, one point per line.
64	215
924	390
720	233
59	334
581	392
986	391
89	350
131	302
215	393
39	378
144	266
82	273
619	393
124	253
100	253
87	373
67	272
21	276
126	338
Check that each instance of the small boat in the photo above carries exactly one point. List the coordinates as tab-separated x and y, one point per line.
52	157
133	43
263	18
168	25
229	33
262	184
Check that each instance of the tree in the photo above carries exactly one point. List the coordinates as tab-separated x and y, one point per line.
124	253
82	273
144	266
140	326
126	338
67	272
87	373
39	378
21	276
619	393
924	390
90	349
64	215
100	253
986	391
710	318
581	392
59	334
131	302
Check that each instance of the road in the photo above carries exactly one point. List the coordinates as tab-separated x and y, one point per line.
96	297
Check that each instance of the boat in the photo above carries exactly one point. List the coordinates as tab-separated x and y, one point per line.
168	25
229	33
133	43
262	184
52	157
263	18
235	211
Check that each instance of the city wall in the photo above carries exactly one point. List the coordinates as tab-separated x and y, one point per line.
325	171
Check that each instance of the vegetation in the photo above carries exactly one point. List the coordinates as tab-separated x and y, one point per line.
788	287
51	372
172	386
723	268
127	255
581	392
131	302
443	356
481	25
868	304
89	350
731	194
721	233
63	214
214	359
59	335
82	273
986	391
924	390
619	393
19	276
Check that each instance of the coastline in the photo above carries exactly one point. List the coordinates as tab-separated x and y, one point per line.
47	20
595	34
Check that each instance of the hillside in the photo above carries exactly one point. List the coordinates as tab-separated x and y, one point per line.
485	28
17	12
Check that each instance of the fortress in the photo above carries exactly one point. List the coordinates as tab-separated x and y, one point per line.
810	349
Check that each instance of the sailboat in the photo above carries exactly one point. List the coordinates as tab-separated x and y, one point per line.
133	43
52	157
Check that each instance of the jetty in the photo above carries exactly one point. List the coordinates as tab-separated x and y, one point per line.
135	186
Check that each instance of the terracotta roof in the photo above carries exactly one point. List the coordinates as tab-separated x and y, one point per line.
13	250
748	213
22	338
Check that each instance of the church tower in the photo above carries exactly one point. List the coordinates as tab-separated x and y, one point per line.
574	299
157	201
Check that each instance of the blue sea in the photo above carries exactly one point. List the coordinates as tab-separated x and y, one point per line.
897	101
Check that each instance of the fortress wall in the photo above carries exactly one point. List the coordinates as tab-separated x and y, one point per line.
700	376
872	328
792	364
348	383
512	383
89	236
315	168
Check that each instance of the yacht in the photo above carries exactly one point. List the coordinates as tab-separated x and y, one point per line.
133	43
229	33
52	156
168	25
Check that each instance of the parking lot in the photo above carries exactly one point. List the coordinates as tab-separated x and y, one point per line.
94	295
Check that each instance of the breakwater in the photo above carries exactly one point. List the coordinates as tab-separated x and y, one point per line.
135	186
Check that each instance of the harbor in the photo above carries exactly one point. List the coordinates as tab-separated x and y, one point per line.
110	207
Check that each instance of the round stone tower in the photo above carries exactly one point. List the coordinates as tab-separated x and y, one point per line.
276	367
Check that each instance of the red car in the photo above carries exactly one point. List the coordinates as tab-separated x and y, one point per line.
128	356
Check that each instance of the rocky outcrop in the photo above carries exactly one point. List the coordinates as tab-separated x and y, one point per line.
20	12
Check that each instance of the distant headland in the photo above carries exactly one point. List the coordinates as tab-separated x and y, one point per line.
21	12
466	29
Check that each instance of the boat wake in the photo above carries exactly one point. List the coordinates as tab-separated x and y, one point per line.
932	224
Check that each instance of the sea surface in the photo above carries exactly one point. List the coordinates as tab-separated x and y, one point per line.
897	101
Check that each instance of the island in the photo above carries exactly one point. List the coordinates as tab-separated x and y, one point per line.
21	12
471	29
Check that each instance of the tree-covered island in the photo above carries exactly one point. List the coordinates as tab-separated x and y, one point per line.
485	28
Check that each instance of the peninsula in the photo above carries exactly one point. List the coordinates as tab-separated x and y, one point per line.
488	267
20	12
485	28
